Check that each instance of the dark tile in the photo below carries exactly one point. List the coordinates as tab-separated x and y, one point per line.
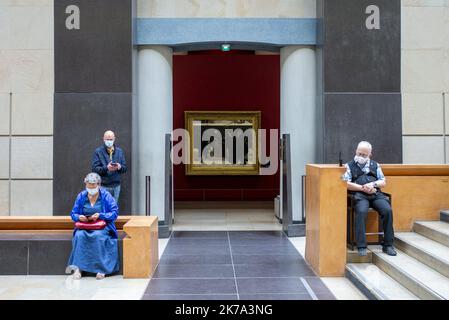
80	114
193	259
200	234
189	297
98	56
198	242
264	249
194	271
260	242
270	285
193	249
319	288
268	296
13	257
267	259
346	124
325	296
272	270
49	257
256	234
191	286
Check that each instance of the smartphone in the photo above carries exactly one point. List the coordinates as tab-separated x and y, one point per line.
114	164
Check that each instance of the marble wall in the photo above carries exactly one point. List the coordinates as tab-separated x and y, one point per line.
359	79
93	93
26	107
425	80
226	8
27	84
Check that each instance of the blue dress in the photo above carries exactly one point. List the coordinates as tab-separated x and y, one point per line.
94	251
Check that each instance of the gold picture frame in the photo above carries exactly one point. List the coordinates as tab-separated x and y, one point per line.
197	123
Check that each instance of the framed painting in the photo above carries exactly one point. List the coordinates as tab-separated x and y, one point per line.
222	142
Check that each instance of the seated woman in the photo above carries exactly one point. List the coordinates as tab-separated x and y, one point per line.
94	251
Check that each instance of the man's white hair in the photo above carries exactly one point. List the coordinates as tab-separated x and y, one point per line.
365	144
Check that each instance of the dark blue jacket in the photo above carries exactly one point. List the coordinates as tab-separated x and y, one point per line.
100	165
109	208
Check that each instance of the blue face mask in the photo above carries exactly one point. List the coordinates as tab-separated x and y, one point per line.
109	143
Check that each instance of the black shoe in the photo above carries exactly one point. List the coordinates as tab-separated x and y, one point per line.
362	252
389	250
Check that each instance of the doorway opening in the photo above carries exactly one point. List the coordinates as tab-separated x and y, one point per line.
231	81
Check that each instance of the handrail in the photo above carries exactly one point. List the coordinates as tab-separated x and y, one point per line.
147	195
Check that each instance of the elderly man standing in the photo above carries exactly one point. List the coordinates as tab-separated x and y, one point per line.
365	179
109	162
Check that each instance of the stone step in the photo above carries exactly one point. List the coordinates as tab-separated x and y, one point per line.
444	215
376	284
431	253
435	230
352	256
418	278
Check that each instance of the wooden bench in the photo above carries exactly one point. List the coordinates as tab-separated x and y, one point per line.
43	240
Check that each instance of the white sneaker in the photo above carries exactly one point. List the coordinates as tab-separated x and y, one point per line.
100	276
77	274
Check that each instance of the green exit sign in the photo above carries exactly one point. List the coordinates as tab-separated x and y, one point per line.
225	47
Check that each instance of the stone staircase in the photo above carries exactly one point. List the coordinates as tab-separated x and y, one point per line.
419	271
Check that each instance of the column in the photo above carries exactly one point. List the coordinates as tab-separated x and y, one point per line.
153	118
298	113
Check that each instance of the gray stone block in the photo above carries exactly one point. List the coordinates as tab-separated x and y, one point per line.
49	257
357	59
98	56
80	121
13	257
350	118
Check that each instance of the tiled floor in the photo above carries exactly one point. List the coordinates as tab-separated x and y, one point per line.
225	219
65	288
199	265
233	265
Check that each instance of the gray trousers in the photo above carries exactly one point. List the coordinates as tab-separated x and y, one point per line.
114	191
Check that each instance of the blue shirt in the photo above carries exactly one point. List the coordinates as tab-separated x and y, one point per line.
108	212
347	176
89	210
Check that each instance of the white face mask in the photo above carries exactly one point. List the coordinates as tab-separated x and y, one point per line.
361	160
109	143
93	191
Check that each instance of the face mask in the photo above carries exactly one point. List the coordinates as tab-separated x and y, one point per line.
93	191
360	160
109	143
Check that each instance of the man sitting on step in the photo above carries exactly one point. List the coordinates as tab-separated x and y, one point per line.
365	179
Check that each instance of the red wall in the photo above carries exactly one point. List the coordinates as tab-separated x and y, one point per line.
215	82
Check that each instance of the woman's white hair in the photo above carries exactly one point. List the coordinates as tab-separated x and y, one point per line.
365	144
92	178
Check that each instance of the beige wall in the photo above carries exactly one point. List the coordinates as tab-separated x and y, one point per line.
26	107
27	83
226	8
425	80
